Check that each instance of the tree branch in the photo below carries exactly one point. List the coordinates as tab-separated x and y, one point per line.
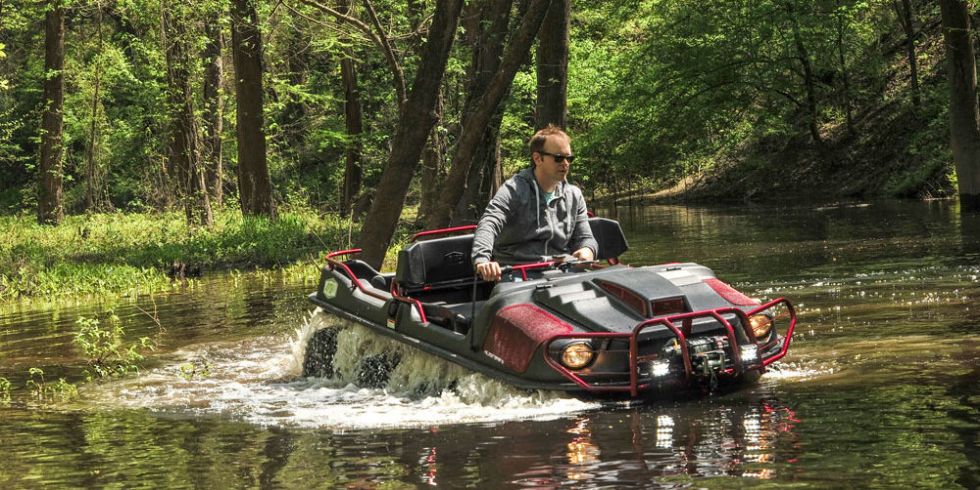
389	53
378	38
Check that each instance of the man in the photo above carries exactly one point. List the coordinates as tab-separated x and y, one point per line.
536	214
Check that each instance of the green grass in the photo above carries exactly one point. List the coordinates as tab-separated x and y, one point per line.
130	253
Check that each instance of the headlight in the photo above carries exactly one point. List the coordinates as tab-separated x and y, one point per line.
761	325
577	355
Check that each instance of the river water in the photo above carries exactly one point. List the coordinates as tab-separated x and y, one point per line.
881	387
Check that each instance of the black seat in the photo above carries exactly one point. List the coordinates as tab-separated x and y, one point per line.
432	262
365	272
609	235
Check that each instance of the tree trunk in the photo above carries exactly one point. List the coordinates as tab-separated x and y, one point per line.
184	144
964	114
352	118
254	186
50	209
474	199
809	86
476	124
433	155
489	28
906	16
552	65
213	107
432	169
492	178
413	129
91	172
845	79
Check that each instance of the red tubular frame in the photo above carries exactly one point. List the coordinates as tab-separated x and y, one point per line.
681	334
536	265
408	300
334	263
442	231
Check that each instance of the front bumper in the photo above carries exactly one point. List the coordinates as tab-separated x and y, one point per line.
643	371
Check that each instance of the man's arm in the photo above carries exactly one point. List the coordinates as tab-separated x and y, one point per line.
487	230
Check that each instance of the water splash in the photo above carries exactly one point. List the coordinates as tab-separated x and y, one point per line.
260	381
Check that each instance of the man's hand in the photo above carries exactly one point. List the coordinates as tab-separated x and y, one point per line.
584	254
489	271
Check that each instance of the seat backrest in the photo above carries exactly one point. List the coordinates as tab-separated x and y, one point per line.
609	235
434	261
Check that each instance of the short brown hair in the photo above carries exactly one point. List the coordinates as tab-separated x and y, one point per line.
536	143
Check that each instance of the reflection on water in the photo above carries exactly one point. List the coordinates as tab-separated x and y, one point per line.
881	387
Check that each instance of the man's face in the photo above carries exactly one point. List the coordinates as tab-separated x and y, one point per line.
548	168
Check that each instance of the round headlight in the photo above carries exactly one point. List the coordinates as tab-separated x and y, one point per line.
577	355
761	325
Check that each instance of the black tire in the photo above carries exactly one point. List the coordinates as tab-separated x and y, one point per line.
373	372
320	351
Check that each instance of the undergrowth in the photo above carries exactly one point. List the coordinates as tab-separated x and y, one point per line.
131	253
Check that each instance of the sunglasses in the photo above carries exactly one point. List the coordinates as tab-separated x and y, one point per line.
559	157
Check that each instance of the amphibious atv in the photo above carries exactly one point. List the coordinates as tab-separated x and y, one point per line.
591	328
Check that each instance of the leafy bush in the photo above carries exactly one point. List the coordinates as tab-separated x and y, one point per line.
43	391
102	346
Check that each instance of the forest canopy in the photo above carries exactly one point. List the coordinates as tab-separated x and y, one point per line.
150	105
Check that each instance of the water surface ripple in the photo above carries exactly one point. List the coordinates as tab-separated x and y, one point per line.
881	387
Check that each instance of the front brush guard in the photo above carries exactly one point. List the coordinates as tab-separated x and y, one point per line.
681	334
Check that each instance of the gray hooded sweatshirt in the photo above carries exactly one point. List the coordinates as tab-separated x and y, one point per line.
520	227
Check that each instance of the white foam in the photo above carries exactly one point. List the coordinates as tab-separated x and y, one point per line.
260	381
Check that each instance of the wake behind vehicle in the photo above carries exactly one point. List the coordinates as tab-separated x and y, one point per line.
587	328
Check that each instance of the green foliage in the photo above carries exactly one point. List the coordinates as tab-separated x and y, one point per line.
658	90
102	347
45	392
195	370
654	88
4	390
130	253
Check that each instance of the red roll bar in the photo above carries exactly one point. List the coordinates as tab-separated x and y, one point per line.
334	263
442	231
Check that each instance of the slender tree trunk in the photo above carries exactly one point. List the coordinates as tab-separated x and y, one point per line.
352	118
845	79
254	186
552	65
413	130
476	124
492	178
964	113
292	116
808	83
906	17
184	143
433	156
353	121
485	160
91	172
50	209
432	169
213	107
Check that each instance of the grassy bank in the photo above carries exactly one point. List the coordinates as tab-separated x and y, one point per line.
132	253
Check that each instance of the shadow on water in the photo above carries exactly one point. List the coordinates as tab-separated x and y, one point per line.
880	388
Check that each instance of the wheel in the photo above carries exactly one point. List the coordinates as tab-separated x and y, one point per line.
320	351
